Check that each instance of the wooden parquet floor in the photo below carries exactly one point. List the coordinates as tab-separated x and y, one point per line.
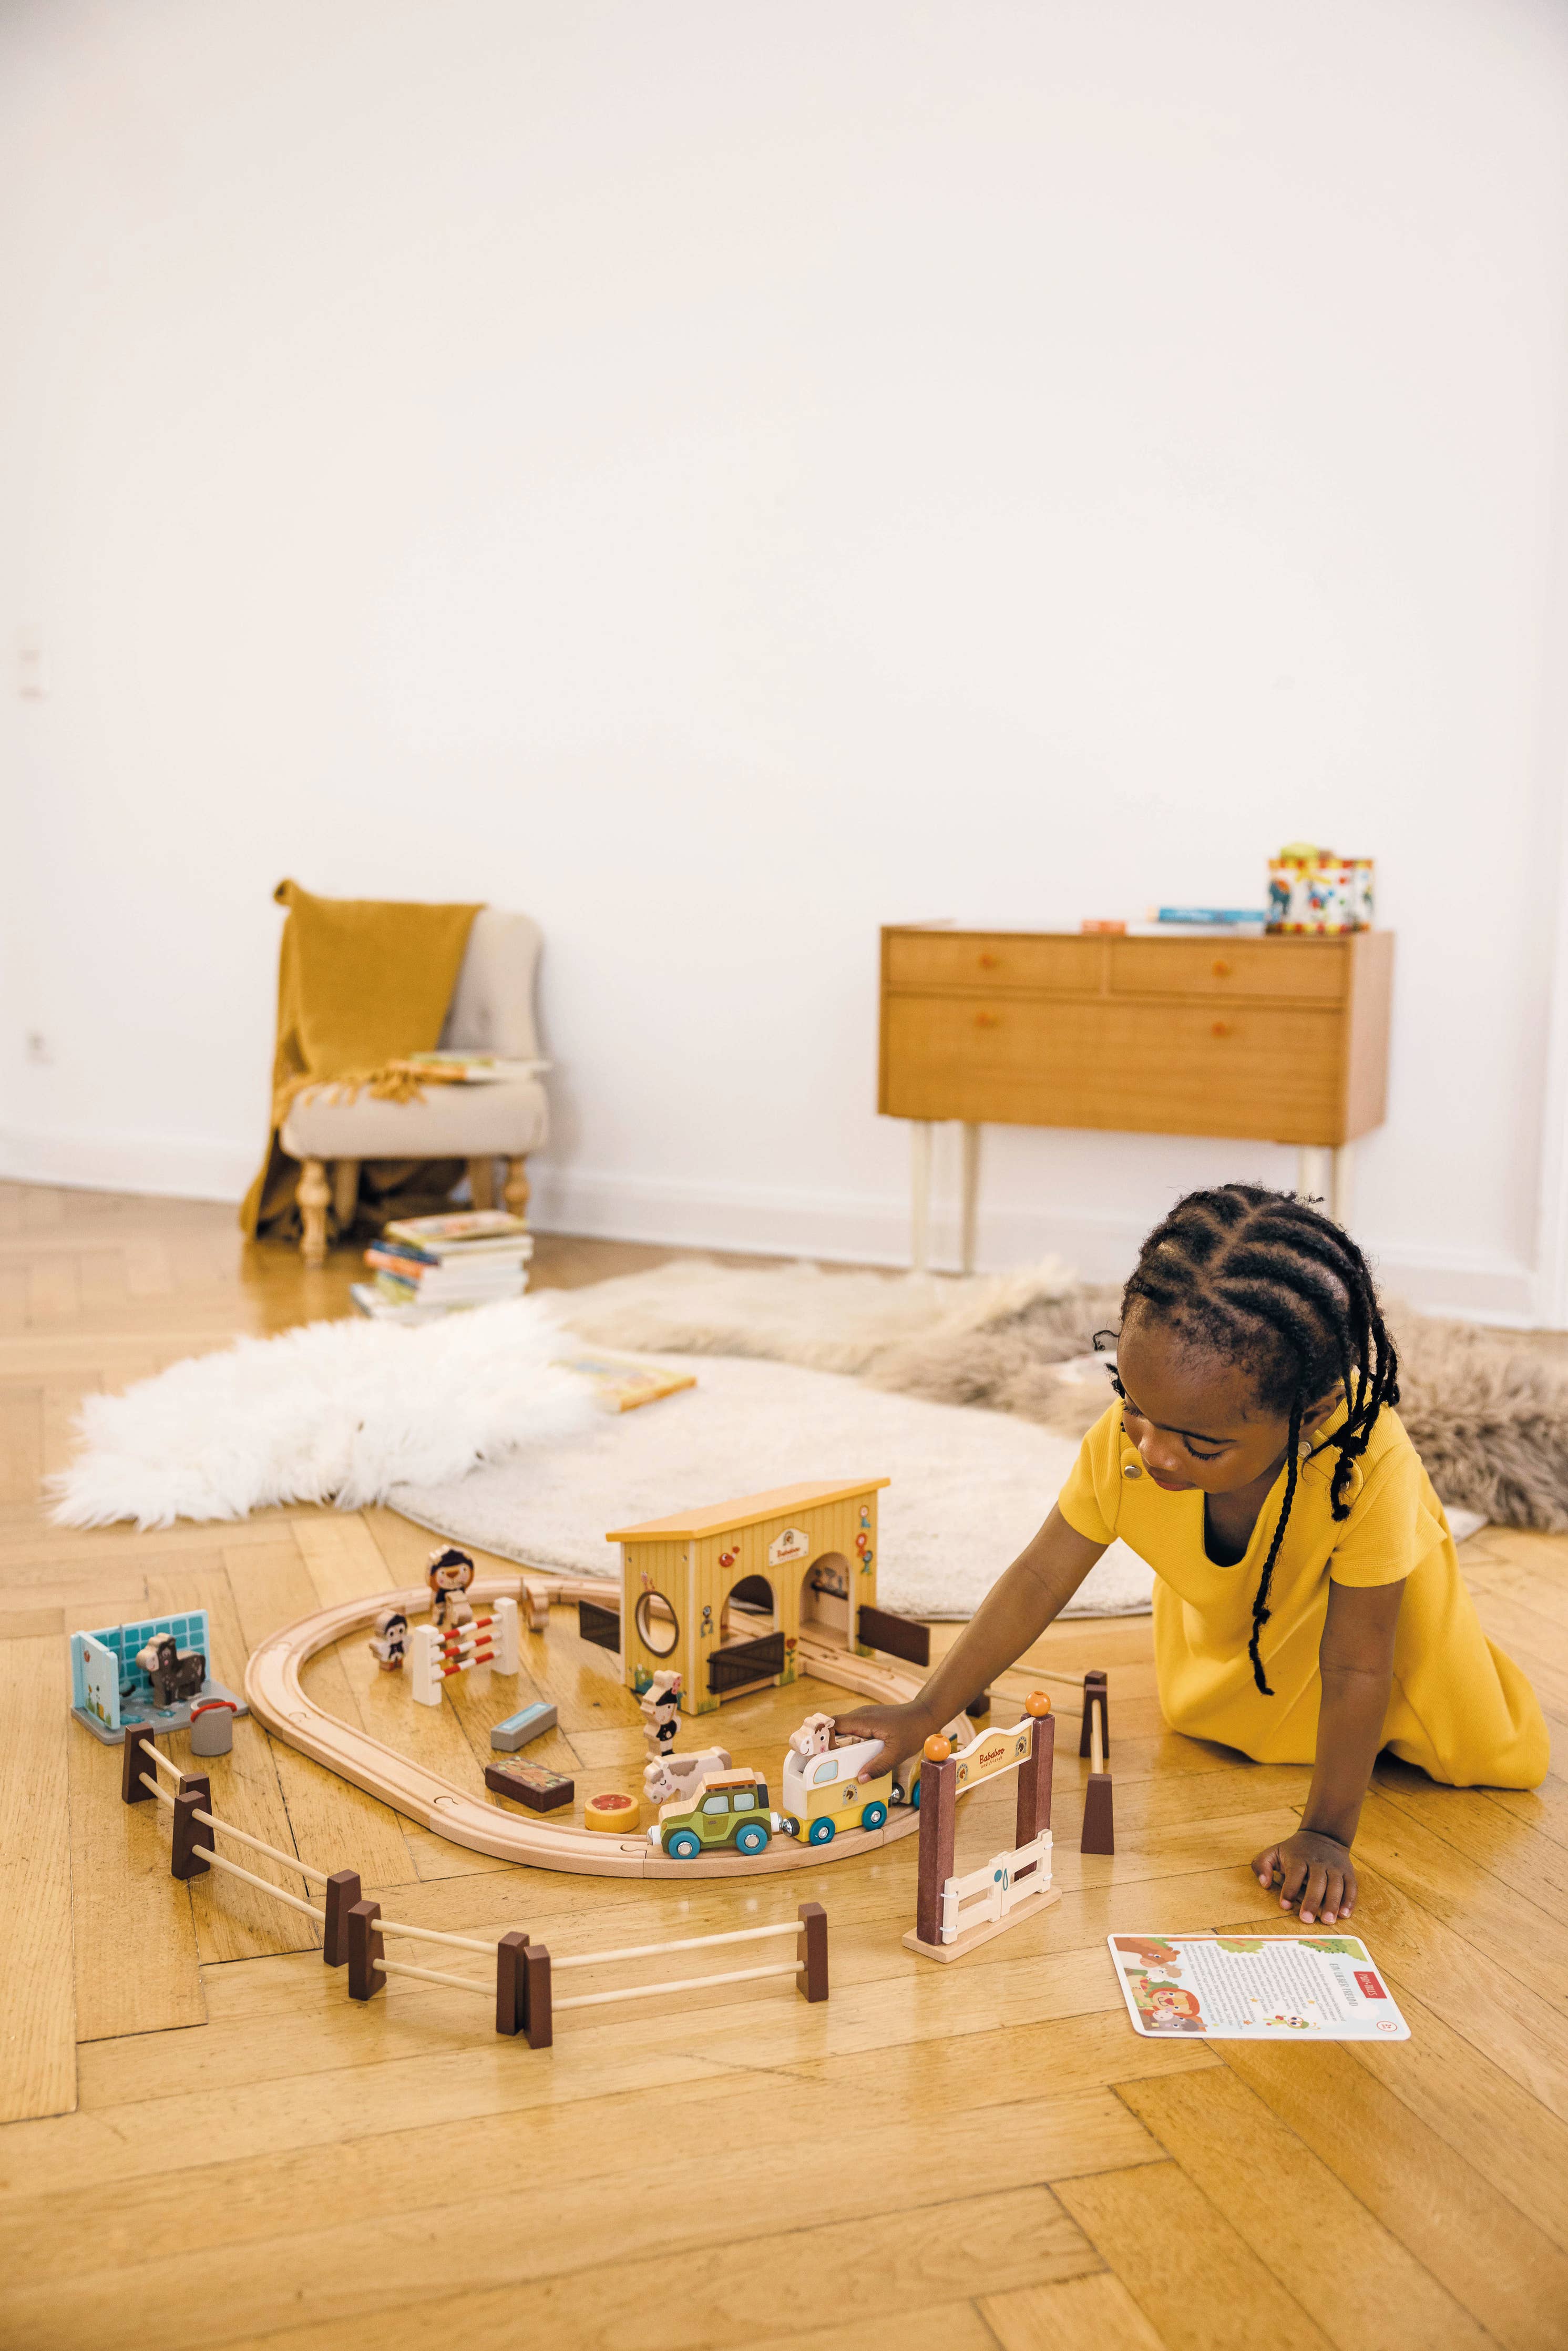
204	2143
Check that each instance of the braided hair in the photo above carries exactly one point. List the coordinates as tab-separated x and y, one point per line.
1269	1282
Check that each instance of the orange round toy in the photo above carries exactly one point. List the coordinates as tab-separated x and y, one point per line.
936	1749
1037	1702
613	1812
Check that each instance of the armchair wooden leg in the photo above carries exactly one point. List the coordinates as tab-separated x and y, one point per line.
345	1192
314	1196
482	1182
517	1188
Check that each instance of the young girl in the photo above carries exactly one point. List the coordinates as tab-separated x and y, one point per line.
1308	1604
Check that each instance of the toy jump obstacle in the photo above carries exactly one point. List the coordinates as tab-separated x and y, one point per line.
354	1930
954	1914
435	1655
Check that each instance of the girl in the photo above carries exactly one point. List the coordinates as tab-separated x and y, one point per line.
1309	1606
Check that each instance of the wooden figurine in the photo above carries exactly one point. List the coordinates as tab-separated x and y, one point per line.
661	1708
449	1574
174	1673
954	1914
389	1643
536	1608
670	1779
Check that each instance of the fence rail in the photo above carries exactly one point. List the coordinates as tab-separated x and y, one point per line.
354	1932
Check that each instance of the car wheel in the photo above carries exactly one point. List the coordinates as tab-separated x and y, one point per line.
873	1816
820	1832
752	1838
684	1846
915	1797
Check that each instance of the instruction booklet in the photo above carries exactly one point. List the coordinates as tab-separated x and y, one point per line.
1255	1987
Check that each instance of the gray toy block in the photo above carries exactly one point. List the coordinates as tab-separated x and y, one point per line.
519	1728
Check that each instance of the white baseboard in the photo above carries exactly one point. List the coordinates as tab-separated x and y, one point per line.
1477	1285
768	1221
163	1165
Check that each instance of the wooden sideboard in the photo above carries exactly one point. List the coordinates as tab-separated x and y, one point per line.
1280	1040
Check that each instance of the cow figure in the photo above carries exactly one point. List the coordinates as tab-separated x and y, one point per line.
174	1673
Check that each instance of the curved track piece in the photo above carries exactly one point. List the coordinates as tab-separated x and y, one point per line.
272	1691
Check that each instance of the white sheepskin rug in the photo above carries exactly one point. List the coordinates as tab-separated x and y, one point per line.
334	1412
968	1488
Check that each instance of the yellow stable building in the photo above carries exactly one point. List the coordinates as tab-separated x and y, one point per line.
720	1595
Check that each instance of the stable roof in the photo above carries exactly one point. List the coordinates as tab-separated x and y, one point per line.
749	1511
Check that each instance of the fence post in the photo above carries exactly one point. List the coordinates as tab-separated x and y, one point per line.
504	1632
365	1947
511	1983
811	1983
343	1890
425	1675
1096	1693
939	1816
134	1762
192	1838
537	2028
1035	1773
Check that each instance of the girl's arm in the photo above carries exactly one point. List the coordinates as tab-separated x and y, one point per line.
1355	1660
1013	1614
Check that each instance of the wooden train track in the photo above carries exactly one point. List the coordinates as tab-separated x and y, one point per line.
274	1692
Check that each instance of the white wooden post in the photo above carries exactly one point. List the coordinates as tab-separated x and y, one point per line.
503	1636
425	1656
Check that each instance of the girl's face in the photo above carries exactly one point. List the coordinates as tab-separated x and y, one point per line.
1195	1418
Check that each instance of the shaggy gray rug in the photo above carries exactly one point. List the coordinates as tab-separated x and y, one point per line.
1488	1413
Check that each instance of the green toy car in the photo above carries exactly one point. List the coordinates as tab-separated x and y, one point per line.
729	1809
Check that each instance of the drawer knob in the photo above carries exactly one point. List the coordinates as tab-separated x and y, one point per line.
990	962
987	1019
1222	1027
1221	968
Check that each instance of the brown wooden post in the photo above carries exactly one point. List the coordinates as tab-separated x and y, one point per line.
938	1819
1099	1826
511	2001
192	1838
811	1983
365	1947
343	1890
537	2030
134	1762
1095	1694
1035	1772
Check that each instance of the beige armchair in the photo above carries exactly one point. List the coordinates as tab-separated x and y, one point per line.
492	1012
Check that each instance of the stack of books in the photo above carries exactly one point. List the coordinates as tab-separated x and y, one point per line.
428	1266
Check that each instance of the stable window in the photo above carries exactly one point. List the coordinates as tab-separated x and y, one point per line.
658	1627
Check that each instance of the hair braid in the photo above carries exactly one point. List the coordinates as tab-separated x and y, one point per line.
1269	1281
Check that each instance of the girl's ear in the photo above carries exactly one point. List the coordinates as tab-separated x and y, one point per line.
1314	1415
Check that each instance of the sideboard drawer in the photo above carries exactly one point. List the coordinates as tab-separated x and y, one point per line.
993	959
1297	970
1269	1069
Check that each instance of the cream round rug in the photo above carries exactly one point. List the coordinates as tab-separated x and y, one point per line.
969	1490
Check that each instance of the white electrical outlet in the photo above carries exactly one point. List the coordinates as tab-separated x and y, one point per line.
30	665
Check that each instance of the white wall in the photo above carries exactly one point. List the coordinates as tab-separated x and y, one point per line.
725	477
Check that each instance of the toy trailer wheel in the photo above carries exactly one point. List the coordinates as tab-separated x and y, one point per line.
751	1838
820	1832
684	1846
873	1816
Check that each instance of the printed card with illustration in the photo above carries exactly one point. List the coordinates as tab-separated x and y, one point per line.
1255	1988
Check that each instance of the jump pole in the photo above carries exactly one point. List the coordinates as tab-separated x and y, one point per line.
941	1774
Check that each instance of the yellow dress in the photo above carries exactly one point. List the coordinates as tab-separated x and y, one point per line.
1458	1706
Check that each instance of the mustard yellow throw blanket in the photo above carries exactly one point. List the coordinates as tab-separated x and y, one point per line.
361	983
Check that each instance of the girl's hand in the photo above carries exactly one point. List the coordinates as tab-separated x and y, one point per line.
1313	1870
902	1730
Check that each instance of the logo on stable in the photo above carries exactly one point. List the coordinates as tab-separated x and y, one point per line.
791	1544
